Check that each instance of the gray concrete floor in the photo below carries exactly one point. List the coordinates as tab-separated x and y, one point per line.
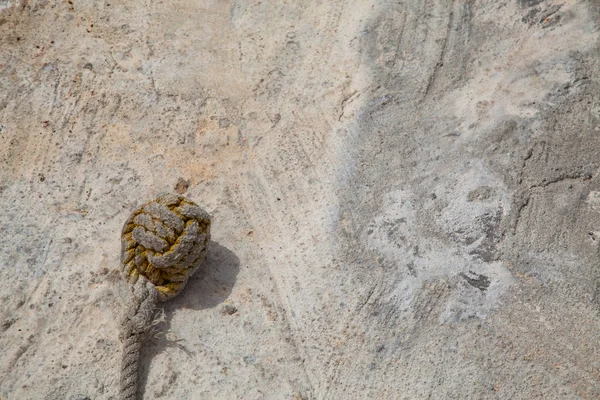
405	196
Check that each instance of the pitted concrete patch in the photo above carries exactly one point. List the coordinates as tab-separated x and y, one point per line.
416	257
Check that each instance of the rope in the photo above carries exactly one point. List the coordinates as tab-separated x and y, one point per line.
162	244
136	326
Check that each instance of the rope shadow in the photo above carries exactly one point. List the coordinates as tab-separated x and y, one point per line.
210	286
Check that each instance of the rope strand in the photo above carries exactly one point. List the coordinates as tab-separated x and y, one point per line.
136	326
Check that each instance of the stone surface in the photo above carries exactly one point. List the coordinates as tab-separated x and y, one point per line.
405	196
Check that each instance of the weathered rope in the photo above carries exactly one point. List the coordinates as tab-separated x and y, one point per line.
135	331
163	242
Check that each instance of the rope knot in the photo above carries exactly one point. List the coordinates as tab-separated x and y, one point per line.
164	241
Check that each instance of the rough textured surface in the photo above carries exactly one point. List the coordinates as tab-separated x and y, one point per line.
405	196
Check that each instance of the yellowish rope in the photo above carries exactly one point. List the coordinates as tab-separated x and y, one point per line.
162	245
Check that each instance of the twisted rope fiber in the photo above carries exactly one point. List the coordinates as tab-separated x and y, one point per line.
162	245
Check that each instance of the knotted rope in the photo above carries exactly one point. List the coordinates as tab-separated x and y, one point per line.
162	244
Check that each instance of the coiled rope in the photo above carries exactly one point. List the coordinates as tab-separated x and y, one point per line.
162	245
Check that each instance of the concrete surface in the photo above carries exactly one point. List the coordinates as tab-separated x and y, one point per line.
405	196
